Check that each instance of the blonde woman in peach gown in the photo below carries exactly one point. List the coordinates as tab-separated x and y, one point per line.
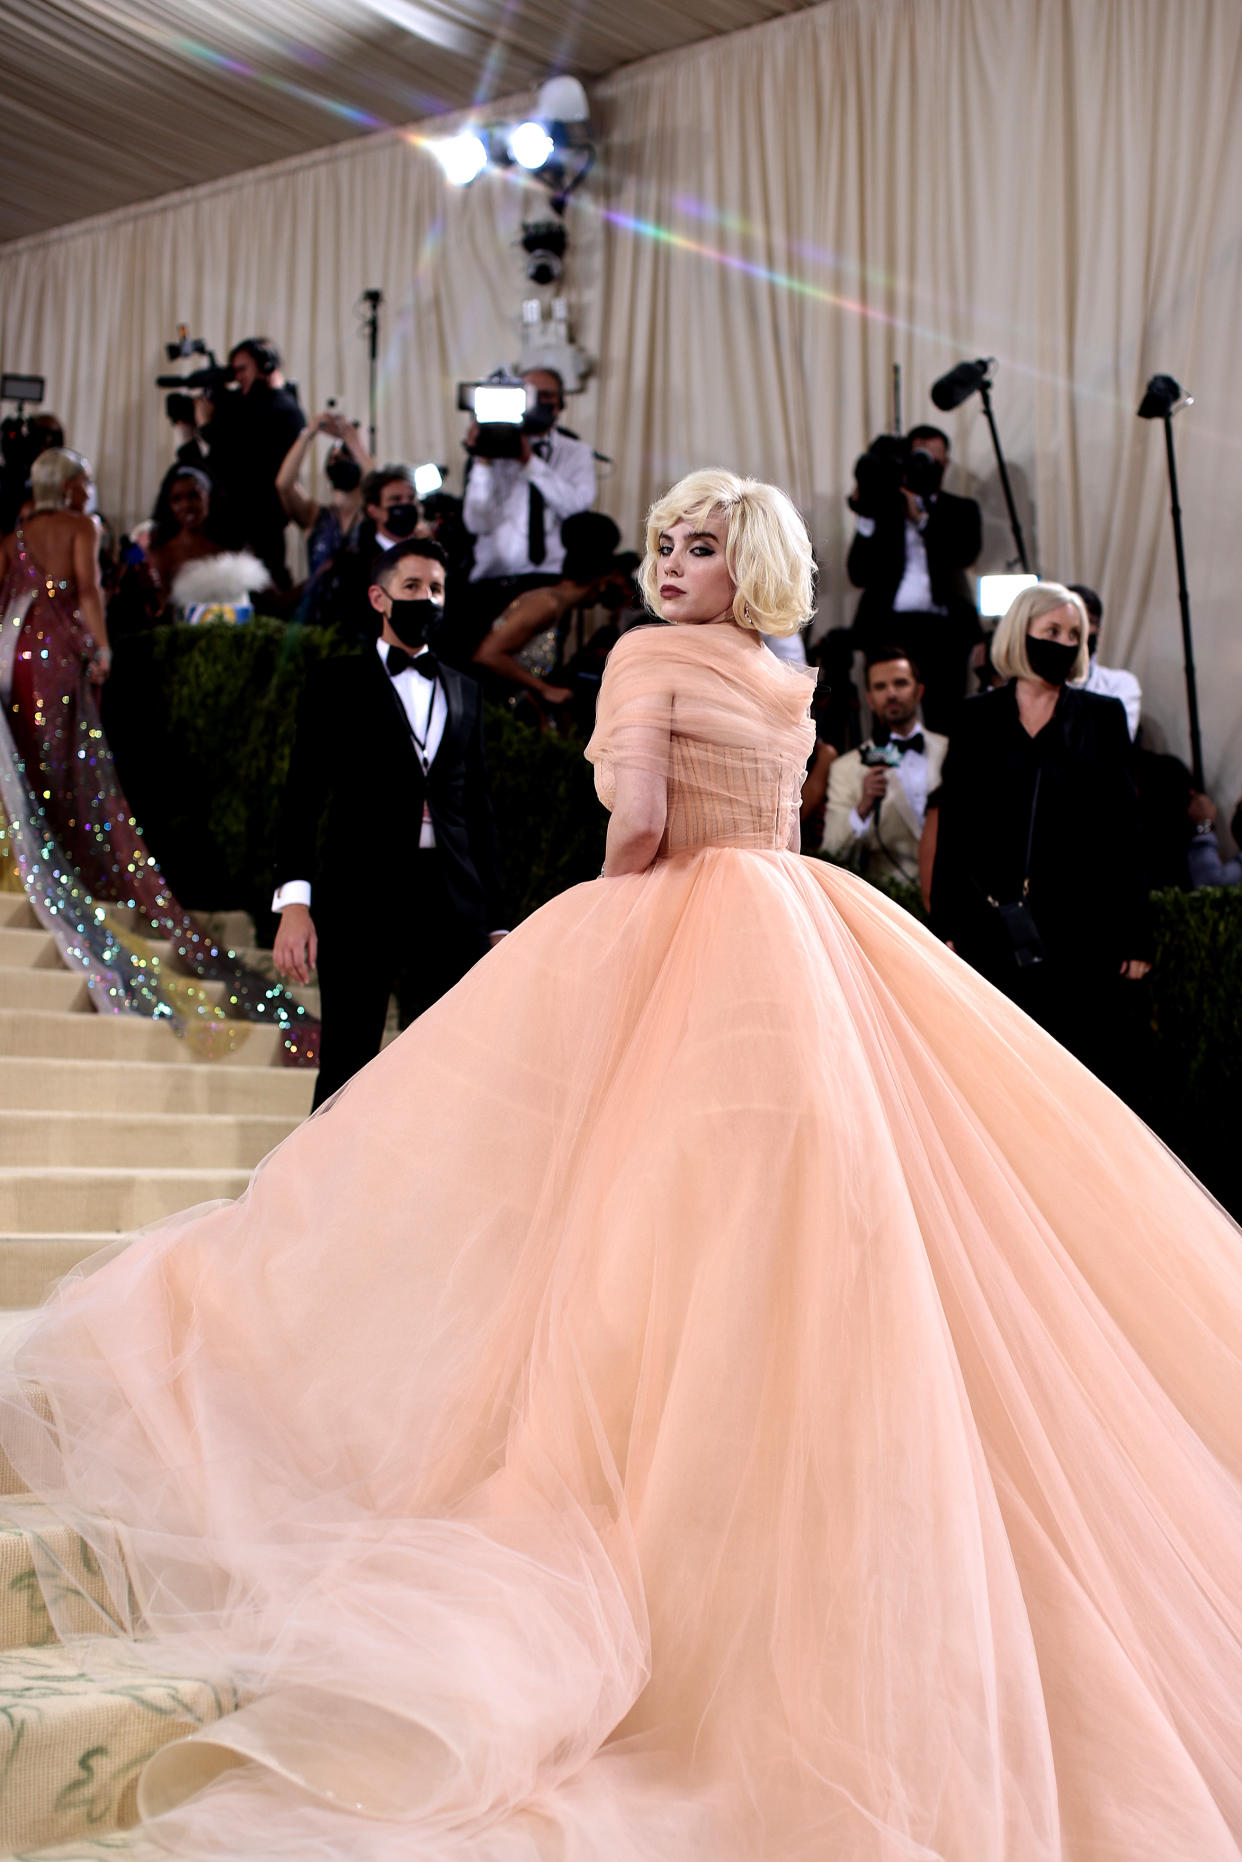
723	1387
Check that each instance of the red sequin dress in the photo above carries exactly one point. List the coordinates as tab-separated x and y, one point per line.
68	833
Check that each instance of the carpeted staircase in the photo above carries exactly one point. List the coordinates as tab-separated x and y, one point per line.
107	1122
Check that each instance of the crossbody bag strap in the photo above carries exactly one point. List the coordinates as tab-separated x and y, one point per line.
1030	842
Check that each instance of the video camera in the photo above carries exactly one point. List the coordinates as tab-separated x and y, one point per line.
505	409
890	466
212	377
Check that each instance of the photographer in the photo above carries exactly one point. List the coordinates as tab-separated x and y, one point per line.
336	595
242	444
514	507
348	461
910	555
1107	681
877	794
1039	879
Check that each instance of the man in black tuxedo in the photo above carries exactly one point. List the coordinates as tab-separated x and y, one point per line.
387	767
913	547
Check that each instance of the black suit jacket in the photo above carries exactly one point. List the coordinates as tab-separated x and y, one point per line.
1088	892
354	799
952	538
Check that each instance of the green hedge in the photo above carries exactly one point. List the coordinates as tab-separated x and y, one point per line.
201	721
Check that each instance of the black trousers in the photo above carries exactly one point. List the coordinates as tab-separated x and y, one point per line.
417	950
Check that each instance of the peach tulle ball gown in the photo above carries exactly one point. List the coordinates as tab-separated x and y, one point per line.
723	1387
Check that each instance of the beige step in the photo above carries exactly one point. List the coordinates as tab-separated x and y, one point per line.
78	1199
28	948
48	991
40	1556
16	909
72	1744
133	1037
28	1082
31	1265
117	1846
11	1485
161	1140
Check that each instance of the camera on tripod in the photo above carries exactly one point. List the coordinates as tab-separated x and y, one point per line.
891	465
505	409
211	377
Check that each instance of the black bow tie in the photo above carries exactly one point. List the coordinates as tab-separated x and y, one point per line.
909	743
398	661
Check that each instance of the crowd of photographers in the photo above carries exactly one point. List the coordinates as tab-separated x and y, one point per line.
539	589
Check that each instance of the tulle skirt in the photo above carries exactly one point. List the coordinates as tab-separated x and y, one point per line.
723	1385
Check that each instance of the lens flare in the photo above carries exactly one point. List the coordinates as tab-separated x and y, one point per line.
530	145
461	157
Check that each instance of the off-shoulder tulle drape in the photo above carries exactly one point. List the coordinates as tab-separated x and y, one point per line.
723	1385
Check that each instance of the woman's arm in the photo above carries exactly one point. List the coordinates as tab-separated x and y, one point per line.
303	510
90	594
351	439
636	826
815	786
520	622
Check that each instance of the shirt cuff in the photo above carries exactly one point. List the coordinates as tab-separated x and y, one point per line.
865	526
857	823
293	892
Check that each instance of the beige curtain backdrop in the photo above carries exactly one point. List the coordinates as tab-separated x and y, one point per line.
777	218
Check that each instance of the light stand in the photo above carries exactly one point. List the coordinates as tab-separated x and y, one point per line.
1161	401
370	327
949	392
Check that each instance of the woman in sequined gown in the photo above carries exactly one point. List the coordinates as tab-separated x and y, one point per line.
67	829
724	1386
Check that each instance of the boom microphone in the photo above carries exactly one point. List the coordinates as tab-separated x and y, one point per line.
961	382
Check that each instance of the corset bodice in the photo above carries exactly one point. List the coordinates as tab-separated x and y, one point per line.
726	796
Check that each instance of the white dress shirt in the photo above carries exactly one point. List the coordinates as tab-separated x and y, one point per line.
911	773
496	507
914	591
786	646
426	708
1113	682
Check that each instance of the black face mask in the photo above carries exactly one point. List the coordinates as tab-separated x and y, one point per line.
344	473
400	521
413	621
1050	659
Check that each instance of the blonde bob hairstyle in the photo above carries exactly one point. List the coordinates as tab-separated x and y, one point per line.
767	549
50	474
1009	654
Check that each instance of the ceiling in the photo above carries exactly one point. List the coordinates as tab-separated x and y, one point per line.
109	102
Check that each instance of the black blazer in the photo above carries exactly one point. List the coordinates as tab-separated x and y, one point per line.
355	791
1088	890
952	538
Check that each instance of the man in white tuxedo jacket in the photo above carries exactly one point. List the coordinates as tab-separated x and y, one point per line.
877	795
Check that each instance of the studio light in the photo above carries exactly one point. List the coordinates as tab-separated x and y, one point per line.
949	392
1162	399
461	157
563	100
961	382
427	480
998	592
530	145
